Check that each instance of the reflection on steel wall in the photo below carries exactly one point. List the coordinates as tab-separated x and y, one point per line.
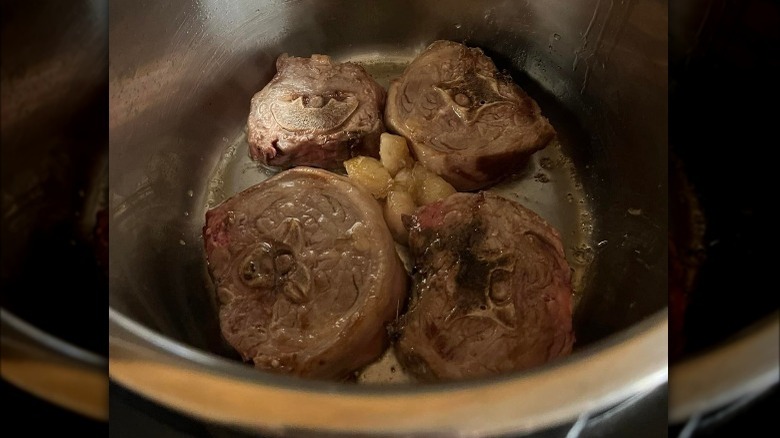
54	165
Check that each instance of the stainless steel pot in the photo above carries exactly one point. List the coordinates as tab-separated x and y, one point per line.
54	165
733	325
181	76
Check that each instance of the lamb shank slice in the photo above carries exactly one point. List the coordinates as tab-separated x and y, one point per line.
315	112
306	274
465	121
491	290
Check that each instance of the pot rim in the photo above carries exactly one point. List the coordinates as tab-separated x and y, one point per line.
210	387
746	363
52	369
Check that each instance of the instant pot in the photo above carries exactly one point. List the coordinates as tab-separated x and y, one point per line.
181	76
53	340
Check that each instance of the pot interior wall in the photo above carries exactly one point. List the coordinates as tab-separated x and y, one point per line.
735	43
182	74
55	166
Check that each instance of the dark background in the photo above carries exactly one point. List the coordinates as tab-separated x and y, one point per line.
723	116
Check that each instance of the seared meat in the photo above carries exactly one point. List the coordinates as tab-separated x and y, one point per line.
687	227
465	121
491	290
306	273
100	236
315	112
679	283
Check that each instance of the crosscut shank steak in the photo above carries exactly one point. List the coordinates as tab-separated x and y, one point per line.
491	290
315	112
465	121
306	274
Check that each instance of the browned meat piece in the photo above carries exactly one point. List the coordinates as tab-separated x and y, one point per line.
100	236
491	291
465	121
315	112
306	274
678	301
687	227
